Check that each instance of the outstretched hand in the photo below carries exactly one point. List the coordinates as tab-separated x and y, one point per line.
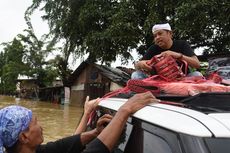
138	101
102	122
90	105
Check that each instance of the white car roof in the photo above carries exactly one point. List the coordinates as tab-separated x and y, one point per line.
178	119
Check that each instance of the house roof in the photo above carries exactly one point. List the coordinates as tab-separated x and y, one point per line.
24	77
118	75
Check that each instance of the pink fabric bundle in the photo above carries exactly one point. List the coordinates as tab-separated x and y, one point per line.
185	87
167	67
192	86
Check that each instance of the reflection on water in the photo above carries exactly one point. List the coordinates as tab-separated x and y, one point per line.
57	120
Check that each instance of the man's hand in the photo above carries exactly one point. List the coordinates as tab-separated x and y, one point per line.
138	101
102	122
171	53
192	61
143	66
90	105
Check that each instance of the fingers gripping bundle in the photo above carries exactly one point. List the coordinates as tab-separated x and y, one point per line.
167	67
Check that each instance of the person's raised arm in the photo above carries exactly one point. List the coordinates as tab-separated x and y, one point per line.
88	136
110	135
88	108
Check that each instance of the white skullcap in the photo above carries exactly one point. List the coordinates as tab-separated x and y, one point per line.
165	26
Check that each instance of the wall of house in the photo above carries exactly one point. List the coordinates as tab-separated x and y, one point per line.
77	98
27	84
27	89
90	82
77	89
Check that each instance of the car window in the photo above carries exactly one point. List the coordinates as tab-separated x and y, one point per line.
147	138
155	144
139	136
193	144
218	145
124	138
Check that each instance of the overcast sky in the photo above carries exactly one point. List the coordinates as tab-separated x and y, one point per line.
12	20
12	23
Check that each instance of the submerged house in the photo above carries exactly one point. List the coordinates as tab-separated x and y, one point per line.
95	81
57	93
27	87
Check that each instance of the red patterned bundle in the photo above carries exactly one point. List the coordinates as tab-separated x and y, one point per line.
167	67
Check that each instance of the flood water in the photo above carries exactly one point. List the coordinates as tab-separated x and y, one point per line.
57	120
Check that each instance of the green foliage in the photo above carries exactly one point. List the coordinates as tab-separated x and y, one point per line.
205	23
24	56
11	66
107	28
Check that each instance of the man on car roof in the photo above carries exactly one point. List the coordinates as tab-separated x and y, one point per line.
166	46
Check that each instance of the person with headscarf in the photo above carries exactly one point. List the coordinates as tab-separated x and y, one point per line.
20	131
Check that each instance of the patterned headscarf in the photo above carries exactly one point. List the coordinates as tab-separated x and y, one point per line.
13	120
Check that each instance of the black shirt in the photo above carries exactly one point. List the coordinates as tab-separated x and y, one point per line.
72	144
179	46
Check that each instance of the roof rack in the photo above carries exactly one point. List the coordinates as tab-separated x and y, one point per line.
209	102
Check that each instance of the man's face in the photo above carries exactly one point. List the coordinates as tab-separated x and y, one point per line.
34	133
162	38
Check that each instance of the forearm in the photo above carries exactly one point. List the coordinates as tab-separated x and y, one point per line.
82	125
116	126
86	137
192	61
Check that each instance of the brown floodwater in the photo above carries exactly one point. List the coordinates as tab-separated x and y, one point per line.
57	120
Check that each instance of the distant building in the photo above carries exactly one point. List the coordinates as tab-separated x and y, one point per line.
55	94
26	87
96	80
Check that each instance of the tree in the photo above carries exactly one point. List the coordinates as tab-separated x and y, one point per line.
11	65
58	17
107	28
206	24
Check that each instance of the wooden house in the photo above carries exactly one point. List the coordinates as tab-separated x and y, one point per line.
26	87
95	81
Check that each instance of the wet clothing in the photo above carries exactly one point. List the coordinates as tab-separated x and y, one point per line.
179	46
72	144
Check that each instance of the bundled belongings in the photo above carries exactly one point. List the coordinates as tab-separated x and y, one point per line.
171	79
186	86
192	86
140	86
167	67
